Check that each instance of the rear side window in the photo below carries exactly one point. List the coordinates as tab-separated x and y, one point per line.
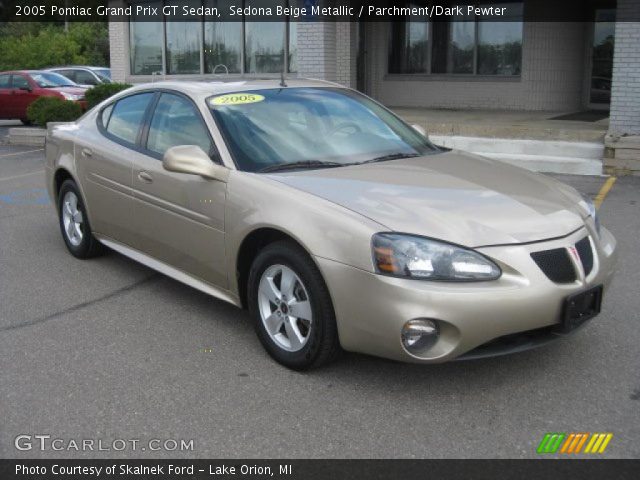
4	81
106	113
176	121
126	117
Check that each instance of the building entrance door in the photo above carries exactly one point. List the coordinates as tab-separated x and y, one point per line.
604	26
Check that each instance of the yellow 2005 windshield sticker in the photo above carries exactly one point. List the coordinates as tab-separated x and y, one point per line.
237	99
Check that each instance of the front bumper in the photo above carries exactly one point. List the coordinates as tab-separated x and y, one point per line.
371	309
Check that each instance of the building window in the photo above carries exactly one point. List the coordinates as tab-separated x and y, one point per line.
408	49
264	46
500	44
222	43
293	47
146	40
183	45
214	46
453	47
458	47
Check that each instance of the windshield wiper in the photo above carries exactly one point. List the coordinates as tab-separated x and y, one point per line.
391	156
303	164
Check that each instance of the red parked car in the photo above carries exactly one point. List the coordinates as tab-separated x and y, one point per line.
19	88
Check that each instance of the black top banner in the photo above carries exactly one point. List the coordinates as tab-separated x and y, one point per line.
319	469
313	10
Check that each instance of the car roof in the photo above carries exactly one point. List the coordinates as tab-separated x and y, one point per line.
21	71
87	67
203	88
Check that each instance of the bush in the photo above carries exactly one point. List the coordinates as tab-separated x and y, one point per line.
53	109
101	92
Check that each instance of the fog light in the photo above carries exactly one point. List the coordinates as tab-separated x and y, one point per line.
419	335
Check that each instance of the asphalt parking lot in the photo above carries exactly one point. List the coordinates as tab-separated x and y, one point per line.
108	349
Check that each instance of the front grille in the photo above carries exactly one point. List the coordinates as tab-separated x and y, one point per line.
556	265
586	255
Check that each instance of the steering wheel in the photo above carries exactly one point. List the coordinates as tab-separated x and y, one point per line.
345	126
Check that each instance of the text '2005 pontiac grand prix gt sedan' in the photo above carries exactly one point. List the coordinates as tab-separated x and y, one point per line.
335	223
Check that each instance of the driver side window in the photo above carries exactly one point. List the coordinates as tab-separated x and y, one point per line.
85	78
20	82
70	74
176	122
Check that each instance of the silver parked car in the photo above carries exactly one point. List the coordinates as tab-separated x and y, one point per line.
83	75
335	223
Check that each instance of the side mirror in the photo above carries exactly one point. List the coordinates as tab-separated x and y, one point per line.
26	89
420	130
191	159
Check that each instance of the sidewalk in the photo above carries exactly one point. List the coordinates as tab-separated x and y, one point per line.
533	140
504	124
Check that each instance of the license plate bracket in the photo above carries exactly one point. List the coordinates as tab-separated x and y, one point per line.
580	307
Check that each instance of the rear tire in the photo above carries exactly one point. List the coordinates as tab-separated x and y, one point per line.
74	223
291	307
26	121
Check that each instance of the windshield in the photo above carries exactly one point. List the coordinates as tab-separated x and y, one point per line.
50	79
311	127
104	74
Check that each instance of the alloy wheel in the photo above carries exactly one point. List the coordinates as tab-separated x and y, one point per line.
285	307
72	219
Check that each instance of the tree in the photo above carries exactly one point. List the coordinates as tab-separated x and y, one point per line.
35	46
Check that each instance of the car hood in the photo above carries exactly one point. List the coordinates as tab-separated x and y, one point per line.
457	197
71	90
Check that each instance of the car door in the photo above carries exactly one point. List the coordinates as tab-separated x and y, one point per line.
6	104
23	94
104	160
180	217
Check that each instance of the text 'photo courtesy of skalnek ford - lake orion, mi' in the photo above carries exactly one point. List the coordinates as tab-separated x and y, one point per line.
302	239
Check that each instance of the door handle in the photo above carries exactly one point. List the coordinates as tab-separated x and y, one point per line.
145	176
86	152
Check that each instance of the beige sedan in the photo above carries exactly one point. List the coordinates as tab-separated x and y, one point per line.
335	223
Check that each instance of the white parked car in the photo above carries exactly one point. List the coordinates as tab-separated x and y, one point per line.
83	75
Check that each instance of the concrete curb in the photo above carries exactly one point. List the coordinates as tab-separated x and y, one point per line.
553	156
622	154
32	136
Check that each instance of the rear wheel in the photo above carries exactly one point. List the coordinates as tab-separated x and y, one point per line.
291	307
74	223
26	121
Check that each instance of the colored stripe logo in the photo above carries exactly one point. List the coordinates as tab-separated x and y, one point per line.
574	443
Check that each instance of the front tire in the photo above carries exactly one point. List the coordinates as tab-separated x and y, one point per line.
74	223
291	307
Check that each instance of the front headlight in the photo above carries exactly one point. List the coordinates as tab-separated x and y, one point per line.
421	258
71	96
590	208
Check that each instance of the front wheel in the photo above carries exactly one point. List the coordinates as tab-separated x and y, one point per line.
291	307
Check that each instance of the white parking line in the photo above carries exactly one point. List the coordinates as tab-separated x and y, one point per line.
20	176
20	153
